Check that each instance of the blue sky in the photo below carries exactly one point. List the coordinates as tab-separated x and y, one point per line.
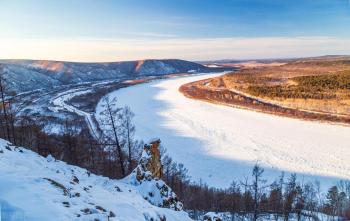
34	24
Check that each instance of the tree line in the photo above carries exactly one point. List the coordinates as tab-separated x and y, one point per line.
253	198
325	86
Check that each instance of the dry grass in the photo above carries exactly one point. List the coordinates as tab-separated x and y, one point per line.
321	85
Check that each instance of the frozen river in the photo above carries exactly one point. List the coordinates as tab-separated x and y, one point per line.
220	144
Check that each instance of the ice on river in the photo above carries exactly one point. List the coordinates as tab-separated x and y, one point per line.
219	144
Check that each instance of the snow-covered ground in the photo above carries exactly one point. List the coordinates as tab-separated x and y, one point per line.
306	216
34	188
59	103
219	144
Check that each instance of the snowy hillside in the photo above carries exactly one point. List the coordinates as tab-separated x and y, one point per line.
27	75
34	188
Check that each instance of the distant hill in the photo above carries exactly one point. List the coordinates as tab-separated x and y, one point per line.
238	62
27	75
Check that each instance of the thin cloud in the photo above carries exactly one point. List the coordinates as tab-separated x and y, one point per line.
190	48
154	34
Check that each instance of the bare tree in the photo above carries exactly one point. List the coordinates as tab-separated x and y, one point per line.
247	198
128	128
110	120
8	111
290	195
167	162
257	188
4	104
300	201
235	199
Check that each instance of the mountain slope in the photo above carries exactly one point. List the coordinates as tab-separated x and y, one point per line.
37	188
26	75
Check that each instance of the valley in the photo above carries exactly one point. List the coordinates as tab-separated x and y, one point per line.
200	136
227	110
64	94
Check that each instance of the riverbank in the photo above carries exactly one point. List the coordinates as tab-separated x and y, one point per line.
204	91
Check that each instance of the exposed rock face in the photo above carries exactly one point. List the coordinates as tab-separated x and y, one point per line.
150	161
147	176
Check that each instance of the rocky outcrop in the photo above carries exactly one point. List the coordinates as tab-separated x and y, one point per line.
147	177
150	161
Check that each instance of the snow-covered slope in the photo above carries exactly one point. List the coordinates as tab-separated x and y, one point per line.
219	144
27	75
34	188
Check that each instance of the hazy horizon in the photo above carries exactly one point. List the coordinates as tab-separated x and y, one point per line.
103	31
198	61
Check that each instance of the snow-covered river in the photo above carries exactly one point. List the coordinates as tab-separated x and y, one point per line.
220	144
